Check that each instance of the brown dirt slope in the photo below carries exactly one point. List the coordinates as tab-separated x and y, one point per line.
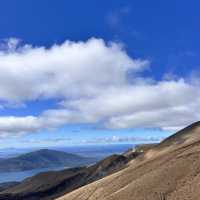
168	171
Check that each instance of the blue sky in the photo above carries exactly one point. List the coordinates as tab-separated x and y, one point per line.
129	70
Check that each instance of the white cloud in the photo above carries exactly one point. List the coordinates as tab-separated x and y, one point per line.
90	79
9	45
71	69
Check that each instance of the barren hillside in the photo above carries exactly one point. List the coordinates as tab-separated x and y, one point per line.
168	171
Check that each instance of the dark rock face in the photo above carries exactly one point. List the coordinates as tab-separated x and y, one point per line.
49	185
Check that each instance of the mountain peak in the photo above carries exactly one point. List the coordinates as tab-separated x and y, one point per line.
189	134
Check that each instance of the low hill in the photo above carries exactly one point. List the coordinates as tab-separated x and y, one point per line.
167	171
44	158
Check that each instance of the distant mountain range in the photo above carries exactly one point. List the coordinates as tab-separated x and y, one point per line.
49	185
43	159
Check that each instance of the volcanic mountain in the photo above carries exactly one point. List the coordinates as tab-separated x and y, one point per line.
167	171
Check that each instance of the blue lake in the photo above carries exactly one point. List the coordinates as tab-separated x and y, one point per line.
19	176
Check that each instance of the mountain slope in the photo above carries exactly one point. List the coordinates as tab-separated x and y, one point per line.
42	159
168	171
4	186
49	185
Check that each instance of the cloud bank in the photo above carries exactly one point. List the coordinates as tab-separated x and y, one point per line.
117	139
92	81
